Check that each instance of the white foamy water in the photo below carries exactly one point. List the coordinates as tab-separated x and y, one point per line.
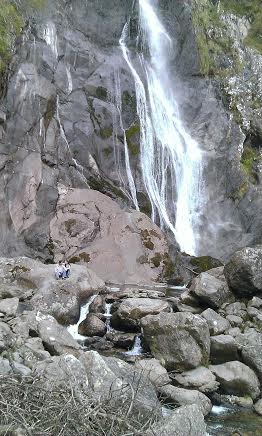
50	37
137	348
73	329
108	315
170	158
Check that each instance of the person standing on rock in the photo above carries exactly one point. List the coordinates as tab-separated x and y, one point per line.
59	270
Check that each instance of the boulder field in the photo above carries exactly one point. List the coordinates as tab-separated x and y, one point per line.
190	360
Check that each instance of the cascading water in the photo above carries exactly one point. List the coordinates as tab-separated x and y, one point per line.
170	158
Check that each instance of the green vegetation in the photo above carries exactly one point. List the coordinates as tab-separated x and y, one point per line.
11	23
204	263
131	139
106	132
108	151
249	157
101	93
252	9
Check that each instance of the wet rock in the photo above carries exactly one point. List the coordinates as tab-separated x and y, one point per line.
211	288
182	397
184	421
200	378
97	305
216	323
223	348
122	340
110	377
92	326
180	341
9	306
258	407
234	400
131	310
244	272
235	378
155	372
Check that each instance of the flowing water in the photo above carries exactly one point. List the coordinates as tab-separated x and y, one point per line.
171	160
137	348
108	315
73	329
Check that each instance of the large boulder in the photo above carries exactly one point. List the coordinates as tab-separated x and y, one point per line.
244	272
110	377
92	326
9	306
184	421
235	378
211	288
180	341
223	348
90	227
182	397
131	310
216	323
200	378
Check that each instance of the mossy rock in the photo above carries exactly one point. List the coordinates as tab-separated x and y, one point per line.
132	139
101	93
249	157
204	263
106	132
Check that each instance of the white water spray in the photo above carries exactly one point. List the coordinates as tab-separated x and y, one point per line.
170	158
73	329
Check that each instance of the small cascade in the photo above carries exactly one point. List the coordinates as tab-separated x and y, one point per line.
50	37
137	348
108	315
73	329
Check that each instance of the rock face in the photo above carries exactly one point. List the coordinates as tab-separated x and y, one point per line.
178	340
235	378
131	310
211	288
244	271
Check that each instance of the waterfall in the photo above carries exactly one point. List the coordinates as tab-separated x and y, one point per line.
73	328
170	158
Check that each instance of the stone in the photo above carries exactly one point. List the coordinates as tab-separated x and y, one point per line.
9	306
235	378
251	350
236	309
155	372
97	305
244	272
182	397
110	377
200	378
56	339
33	352
255	302
5	367
223	348
234	320
258	407
183	421
180	341
216	323
122	340
7	338
131	310
211	290
92	326
21	369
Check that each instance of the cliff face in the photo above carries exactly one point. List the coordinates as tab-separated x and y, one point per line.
68	85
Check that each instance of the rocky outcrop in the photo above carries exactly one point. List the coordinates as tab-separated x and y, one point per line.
179	341
244	272
92	326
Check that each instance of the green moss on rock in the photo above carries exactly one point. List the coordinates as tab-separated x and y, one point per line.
132	138
249	157
11	23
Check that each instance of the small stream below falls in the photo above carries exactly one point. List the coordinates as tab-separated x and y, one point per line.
228	421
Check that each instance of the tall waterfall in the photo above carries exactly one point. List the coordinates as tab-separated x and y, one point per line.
170	158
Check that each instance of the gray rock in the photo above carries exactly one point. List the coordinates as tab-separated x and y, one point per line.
251	350
122	340
152	369
233	331
20	369
9	306
244	271
223	348
7	338
180	341
92	326
5	367
182	397
113	378
211	290
216	323
235	378
184	421
234	320
56	339
200	378
236	309
97	305
131	310
255	302
258	407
